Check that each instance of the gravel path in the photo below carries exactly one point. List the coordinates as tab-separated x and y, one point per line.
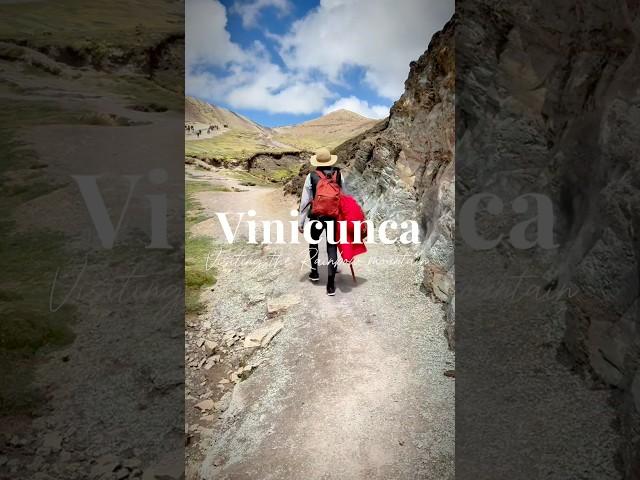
352	387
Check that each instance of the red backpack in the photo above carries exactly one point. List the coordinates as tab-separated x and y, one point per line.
326	202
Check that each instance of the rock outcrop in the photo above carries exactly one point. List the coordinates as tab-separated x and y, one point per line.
550	104
404	168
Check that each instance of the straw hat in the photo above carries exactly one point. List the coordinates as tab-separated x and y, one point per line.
323	158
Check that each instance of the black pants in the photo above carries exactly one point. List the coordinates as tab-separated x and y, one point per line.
332	248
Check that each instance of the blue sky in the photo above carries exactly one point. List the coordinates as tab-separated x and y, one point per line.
281	62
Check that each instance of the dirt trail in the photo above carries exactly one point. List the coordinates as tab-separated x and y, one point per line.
352	387
90	391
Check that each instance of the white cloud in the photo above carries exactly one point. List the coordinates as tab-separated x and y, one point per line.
359	106
266	86
380	36
206	37
251	80
250	10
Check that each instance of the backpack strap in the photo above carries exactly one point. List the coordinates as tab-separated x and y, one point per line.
333	175
306	206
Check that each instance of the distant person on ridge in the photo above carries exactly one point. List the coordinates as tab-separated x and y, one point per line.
321	201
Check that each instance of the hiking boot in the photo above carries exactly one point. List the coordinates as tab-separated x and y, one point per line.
314	276
331	288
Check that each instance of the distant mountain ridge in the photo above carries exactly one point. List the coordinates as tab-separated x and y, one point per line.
329	130
200	112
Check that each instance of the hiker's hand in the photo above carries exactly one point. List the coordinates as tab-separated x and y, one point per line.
301	229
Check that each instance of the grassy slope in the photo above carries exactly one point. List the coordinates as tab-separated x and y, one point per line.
235	146
81	23
97	30
232	147
29	258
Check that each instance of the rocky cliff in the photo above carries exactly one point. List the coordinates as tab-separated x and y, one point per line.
404	168
549	103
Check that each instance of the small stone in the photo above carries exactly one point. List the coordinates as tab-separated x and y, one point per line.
107	459
37	463
52	441
210	346
171	467
224	402
450	373
16	441
200	342
132	463
41	476
121	474
103	469
206	405
262	336
208	418
280	304
224	380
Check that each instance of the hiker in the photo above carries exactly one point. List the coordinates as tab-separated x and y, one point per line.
320	201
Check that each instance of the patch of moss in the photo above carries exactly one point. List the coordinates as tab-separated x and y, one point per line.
28	262
194	186
28	328
283	174
196	273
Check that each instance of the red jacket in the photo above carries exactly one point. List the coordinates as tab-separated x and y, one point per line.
350	212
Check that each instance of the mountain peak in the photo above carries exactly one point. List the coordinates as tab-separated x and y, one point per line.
345	114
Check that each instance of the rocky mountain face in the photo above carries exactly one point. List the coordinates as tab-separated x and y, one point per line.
599	208
404	168
550	104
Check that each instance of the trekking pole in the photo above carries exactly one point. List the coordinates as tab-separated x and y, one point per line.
353	274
